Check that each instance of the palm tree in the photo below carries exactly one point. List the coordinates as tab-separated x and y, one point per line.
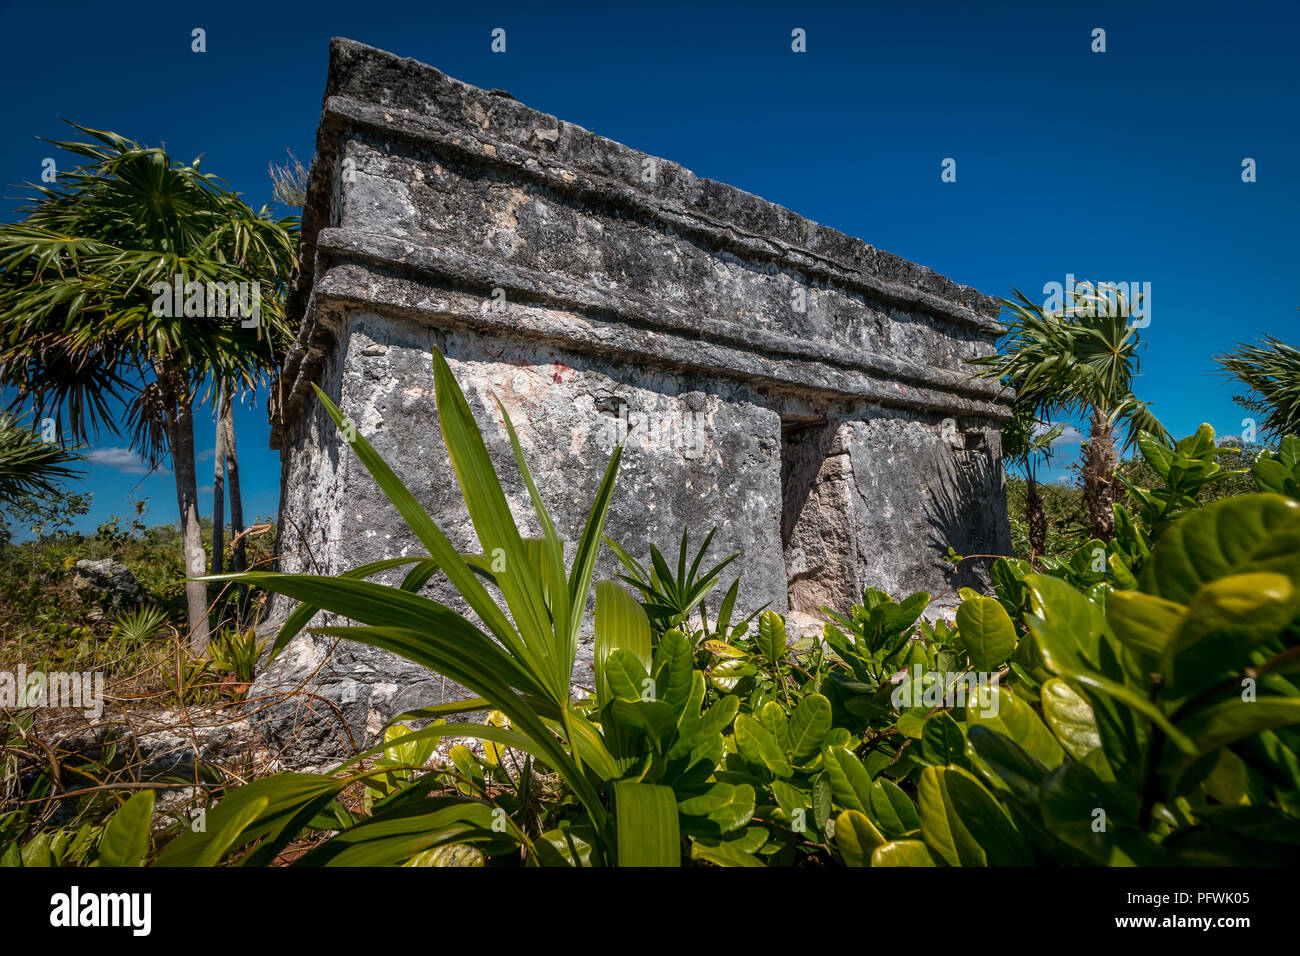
1271	372
1079	360
116	288
30	465
1026	443
225	477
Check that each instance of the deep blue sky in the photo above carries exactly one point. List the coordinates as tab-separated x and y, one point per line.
1117	166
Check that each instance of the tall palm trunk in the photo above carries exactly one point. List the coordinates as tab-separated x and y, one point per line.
219	487
238	559
219	496
178	418
1037	517
1099	464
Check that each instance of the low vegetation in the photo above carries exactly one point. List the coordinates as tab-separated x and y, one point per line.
1117	702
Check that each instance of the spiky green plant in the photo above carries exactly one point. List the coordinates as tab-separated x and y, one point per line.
30	465
1081	360
1271	373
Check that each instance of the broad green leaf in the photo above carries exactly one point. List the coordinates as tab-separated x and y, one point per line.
1224	621
892	808
963	824
850	782
646	820
38	851
1068	627
1143	622
760	747
772	716
1120	572
986	632
942	741
1011	716
722	853
620	623
565	846
771	636
1080	811
673	671
730	806
725	675
1236	535
1071	718
1273	476
1233	719
1007	766
810	722
856	838
791	799
625	678
902	853
651	717
126	835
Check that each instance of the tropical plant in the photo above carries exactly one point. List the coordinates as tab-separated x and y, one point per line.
1027	443
85	278
1185	471
289	181
1271	373
140	625
236	651
1079	360
30	465
1164	726
1279	471
670	598
1132	702
521	665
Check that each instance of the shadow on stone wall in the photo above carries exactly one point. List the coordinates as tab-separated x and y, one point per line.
959	515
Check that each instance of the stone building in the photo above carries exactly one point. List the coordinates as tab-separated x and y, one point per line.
803	391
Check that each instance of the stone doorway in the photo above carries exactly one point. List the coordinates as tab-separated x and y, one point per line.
818	530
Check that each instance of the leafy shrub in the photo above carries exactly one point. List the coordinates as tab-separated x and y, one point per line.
1131	702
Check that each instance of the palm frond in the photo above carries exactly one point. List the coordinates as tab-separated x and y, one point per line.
1271	373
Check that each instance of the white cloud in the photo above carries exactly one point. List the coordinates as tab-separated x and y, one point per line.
124	460
207	455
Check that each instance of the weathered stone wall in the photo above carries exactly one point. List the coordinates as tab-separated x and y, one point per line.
799	389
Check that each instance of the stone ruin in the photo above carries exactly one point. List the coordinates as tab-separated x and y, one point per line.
798	389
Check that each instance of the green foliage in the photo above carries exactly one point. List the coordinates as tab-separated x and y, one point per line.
1184	473
645	734
29	465
77	273
235	651
668	597
1271	373
1073	361
1132	702
1279	471
136	627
